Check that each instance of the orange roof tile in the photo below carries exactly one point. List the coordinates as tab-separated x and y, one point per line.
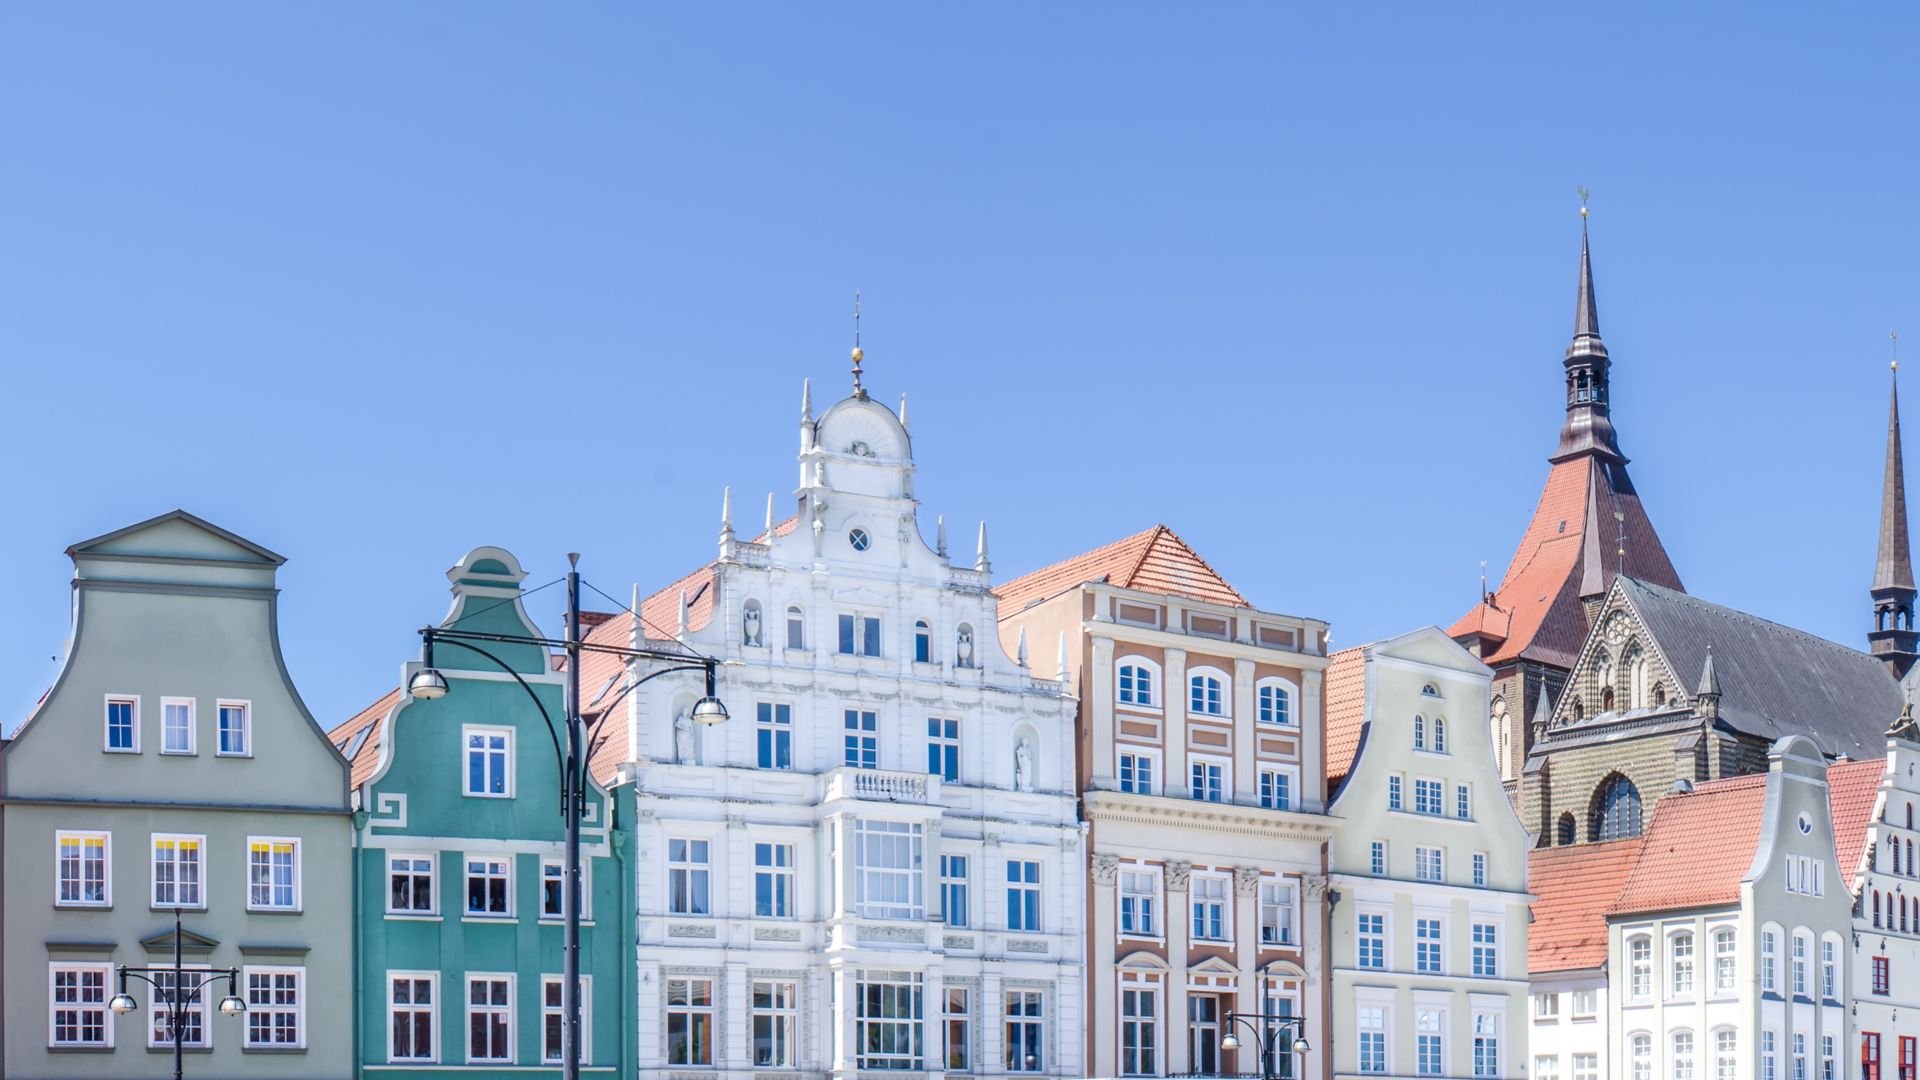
1573	887
1852	789
366	756
1346	697
1697	848
1156	560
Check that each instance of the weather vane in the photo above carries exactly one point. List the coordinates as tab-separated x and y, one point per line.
1894	336
1584	196
857	354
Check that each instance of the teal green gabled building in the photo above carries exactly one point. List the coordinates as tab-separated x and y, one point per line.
457	914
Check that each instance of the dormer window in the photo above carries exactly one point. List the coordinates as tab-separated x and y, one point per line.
859	635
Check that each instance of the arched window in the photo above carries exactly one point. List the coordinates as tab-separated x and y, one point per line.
1136	681
1606	700
1564	834
1724	958
1439	735
922	642
1683	1055
1579	710
1501	730
1640	967
963	646
1909	815
796	629
1642	1056
1876	909
1419	732
1603	670
1659	697
1206	693
1430	690
1615	813
1274	698
1636	665
750	623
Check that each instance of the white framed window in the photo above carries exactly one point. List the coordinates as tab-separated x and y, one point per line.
773	734
122	735
77	1005
1479	869
1827	1058
273	873
1026	1049
1377	858
410	883
796	628
1206	779
889	877
1277	910
1371	940
776	1024
1273	701
1769	961
1586	1067
1486	1044
1139	1030
1439	735
1136	682
1723	959
179	871
1372	1025
1829	970
922	642
1682	1067
1640	968
1486	950
1429	797
689	876
1640	1056
1419	732
83	864
1463	802
773	881
489	886
489	1017
553	889
1769	1056
1206	692
1138	770
1800	965
1726	1054
1429	1039
959	1018
1023	894
1139	899
193	1018
690	1021
1428	938
1546	1067
276	1006
943	748
862	740
1680	964
553	1018
1584	1004
489	762
234	737
1546	1006
1277	786
413	1012
1430	863
953	889
1394	785
1212	917
888	1020
176	725
859	635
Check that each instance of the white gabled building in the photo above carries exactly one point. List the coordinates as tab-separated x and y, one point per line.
876	863
1428	870
1876	811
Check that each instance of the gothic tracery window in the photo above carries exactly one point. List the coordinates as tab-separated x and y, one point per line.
1615	814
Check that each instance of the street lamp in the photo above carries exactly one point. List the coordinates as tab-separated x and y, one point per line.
429	683
178	993
1267	1030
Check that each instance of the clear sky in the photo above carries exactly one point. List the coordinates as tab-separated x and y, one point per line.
372	285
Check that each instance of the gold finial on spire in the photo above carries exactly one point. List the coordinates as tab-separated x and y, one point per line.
1584	196
858	390
1894	336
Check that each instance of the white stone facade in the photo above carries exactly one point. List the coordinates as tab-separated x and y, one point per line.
876	863
1886	924
1568	1037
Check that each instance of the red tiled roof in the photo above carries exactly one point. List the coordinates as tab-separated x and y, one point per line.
1698	847
366	757
1573	887
1852	787
1156	560
1346	697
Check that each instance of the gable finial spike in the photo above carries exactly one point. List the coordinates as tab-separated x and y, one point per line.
980	562
806	400
726	508
858	355
769	517
903	410
1483	581
940	536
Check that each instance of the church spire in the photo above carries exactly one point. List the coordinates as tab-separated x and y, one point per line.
1588	429
1894	638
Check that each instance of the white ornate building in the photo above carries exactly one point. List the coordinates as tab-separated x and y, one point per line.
875	864
1876	811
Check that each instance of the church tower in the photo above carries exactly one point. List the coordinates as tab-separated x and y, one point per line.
1894	639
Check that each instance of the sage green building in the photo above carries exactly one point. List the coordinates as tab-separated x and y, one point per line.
173	766
461	854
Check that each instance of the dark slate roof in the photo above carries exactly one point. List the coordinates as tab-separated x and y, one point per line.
1775	681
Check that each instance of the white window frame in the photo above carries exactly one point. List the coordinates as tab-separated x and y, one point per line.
586	890
193	725
1438	1030
1491	948
1436	856
220	707
1146	903
1030	1021
712	1049
1023	895
487	858
943	732
433	882
467	732
1139	753
1287	773
107	1017
106	724
1373	1018
153	870
859	739
157	1016
1479	869
60	837
1377	855
489	1009
783	875
869	879
1730	956
300	1003
1155	688
1225	897
1223	688
1285	686
434	1032
586	1018
771	727
1285	903
784	1019
857	623
796	618
1639	972
1361	936
1438	941
1424	785
691	871
952	883
1223	766
1142	1058
248	883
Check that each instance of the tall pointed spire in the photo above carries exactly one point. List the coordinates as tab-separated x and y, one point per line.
1894	638
1589	429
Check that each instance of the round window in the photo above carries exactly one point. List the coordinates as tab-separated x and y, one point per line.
1806	824
859	539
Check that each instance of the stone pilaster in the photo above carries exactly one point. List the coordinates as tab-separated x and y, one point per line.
1179	926
1103	944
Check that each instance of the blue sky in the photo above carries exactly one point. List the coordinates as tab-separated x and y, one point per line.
375	285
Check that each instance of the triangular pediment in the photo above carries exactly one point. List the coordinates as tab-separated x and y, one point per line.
189	941
177	535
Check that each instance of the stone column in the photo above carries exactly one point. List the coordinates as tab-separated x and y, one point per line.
1101	945
991	901
1098	710
843	1054
736	1049
845	868
1179	925
1246	781
1315	1001
990	1015
1174	735
1313	766
1246	948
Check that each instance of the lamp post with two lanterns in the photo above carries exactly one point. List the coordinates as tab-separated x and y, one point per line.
428	683
1267	1028
171	986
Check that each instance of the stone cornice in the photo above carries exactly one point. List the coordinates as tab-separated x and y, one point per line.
1122	808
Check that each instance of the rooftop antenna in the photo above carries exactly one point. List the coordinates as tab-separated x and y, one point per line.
858	356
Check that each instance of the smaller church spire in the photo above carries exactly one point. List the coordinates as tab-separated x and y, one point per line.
1894	638
1709	678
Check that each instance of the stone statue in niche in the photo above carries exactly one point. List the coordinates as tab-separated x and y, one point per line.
683	737
1023	765
750	623
963	647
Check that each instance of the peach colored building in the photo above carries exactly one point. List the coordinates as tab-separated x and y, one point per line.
1201	780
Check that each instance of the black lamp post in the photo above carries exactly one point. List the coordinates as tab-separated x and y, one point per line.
428	683
1266	1027
180	995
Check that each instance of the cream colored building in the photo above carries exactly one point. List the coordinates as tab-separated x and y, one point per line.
1200	773
1428	948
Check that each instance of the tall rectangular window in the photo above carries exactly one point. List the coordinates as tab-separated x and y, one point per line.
123	725
887	1020
411	1005
1429	864
1799	966
1377	858
553	1018
1393	792
273	873
489	885
1373	1038
1139	1031
688	876
489	763
1486	951
862	739
236	729
1429	1037
410	884
859	635
1462	801
943	748
773	735
1136	774
1586	1067
1276	913
953	889
178	871
193	1014
553	889
1479	869
276	1007
1426	946
1769	961
1769	1056
489	1018
1723	959
1726	1056
776	1024
773	881
78	993
959	1017
889	877
1206	781
1371	938
1025	1013
1486	1045
1428	797
1881	983
1209	898
689	1021
796	629
1139	893
1276	790
1023	895
1829	971
176	725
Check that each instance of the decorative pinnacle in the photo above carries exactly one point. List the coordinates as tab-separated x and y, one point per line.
726	508
806	400
769	517
573	559
858	355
